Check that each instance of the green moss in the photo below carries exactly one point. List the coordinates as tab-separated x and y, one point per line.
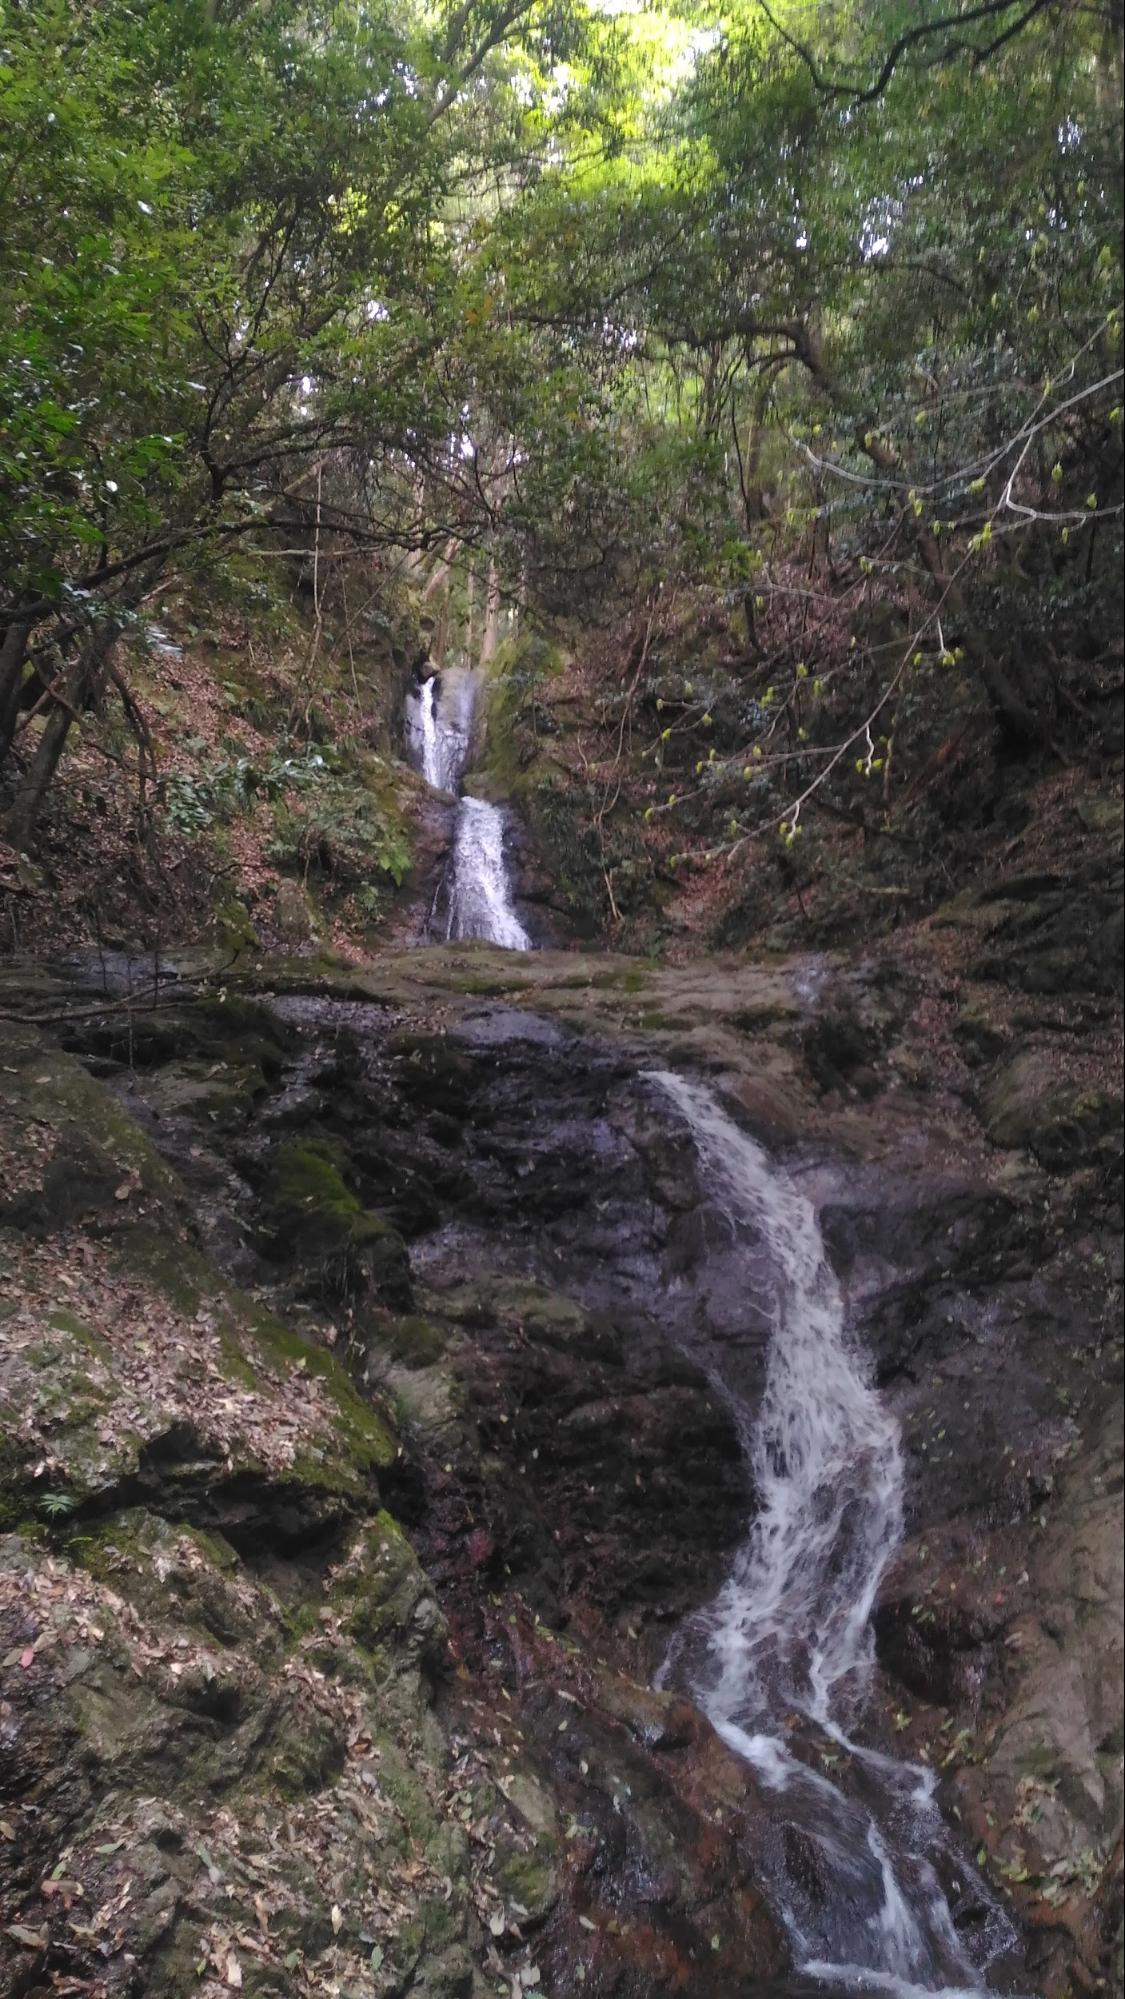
179	1272
412	1341
483	985
358	1428
97	1146
631	980
314	1214
311	1200
65	1322
529	1879
248	1333
384	1596
303	1759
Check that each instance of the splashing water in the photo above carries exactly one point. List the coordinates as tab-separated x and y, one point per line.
790	1631
824	1455
441	728
480	896
431	751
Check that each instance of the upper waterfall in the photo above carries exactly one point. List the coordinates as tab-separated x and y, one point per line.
476	897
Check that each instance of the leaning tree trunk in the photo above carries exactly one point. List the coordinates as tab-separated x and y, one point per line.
82	682
13	651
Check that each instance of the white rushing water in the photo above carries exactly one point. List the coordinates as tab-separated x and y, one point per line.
480	895
788	1639
441	723
431	762
476	896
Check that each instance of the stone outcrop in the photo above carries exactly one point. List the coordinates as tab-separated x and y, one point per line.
365	1455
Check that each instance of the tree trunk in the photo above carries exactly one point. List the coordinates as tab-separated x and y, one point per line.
81	684
12	654
491	636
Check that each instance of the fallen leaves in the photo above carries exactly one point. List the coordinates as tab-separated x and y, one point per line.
30	1939
146	1367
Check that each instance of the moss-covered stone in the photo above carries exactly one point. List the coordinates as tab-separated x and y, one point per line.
306	1750
385	1599
314	1214
979	1038
359	1433
1064	1122
528	1879
71	1146
410	1341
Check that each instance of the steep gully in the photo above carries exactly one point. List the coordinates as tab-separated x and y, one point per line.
865	1877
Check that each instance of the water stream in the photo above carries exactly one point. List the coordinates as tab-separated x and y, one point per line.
475	898
865	1874
859	1863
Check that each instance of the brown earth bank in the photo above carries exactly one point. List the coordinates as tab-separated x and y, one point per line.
361	1453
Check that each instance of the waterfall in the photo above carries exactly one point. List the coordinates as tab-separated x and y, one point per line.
787	1644
475	899
480	895
431	762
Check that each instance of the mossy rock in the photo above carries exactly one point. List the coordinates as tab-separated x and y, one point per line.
1064	1123
361	1441
313	1215
528	1879
410	1341
232	928
294	917
979	1038
57	1119
306	1749
209	1027
170	1572
385	1599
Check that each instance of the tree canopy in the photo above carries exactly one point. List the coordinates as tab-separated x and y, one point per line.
620	293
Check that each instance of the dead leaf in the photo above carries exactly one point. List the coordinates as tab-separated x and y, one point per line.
337	1919
234	1973
69	1890
30	1939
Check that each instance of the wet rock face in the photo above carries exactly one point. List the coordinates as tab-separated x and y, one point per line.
607	1485
556	1463
550	1298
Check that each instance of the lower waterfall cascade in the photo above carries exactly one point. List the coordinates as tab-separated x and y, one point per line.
789	1634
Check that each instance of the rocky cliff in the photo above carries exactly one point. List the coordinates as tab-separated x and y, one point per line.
361	1453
